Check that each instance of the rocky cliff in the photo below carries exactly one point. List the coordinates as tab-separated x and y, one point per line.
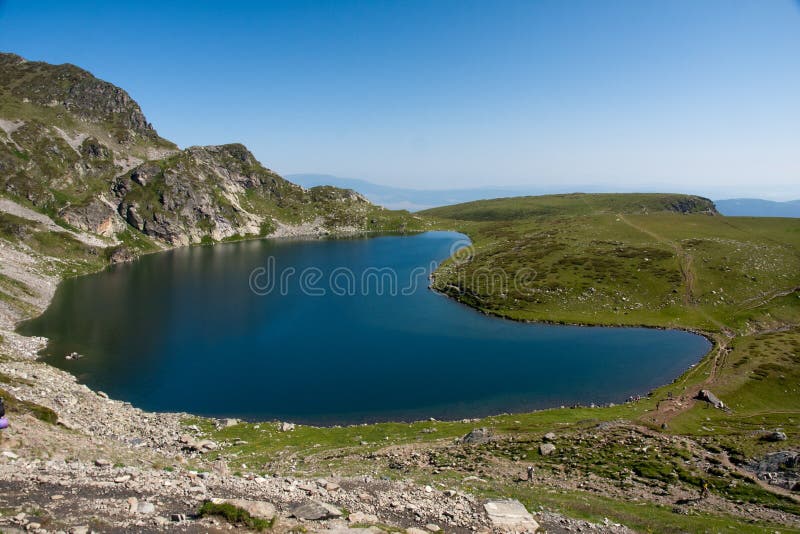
81	150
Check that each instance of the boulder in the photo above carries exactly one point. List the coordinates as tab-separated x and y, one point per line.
314	511
228	422
145	507
546	449
360	518
477	436
510	516
775	436
710	398
550	436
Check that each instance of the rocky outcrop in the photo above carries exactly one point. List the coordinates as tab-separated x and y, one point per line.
77	91
477	436
691	204
82	148
779	469
96	216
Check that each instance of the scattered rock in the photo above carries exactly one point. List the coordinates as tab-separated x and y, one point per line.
360	518
546	449
225	423
477	436
710	398
314	511
145	507
550	436
775	436
510	515
286	427
205	445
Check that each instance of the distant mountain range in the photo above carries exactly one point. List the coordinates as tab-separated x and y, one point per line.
420	199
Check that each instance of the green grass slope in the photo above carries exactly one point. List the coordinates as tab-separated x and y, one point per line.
655	260
735	279
519	208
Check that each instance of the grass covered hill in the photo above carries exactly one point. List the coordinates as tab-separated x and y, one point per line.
656	260
660	261
519	208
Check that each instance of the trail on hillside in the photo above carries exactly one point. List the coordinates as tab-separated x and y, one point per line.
685	260
669	408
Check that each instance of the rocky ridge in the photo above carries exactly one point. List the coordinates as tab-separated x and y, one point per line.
81	150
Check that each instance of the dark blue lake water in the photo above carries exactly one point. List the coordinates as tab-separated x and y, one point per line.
185	331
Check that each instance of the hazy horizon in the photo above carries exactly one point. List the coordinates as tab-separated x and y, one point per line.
626	96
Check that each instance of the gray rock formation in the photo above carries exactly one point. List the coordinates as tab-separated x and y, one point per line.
477	436
315	511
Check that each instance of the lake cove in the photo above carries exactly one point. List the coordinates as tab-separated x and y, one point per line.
332	332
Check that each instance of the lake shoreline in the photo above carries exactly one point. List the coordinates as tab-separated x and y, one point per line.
556	404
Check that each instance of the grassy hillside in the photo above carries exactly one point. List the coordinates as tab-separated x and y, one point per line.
657	260
527	208
735	279
662	268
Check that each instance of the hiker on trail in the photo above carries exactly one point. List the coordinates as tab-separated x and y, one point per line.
530	473
3	420
704	491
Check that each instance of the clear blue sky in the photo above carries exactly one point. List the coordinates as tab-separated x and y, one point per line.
693	95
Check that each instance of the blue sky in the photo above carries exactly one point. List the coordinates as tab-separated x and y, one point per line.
682	95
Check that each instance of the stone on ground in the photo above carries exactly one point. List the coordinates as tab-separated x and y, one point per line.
361	518
546	449
315	511
477	436
510	515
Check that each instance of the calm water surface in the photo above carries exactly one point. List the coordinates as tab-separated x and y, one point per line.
183	331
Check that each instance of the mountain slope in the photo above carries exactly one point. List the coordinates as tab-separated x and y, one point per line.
81	150
515	208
